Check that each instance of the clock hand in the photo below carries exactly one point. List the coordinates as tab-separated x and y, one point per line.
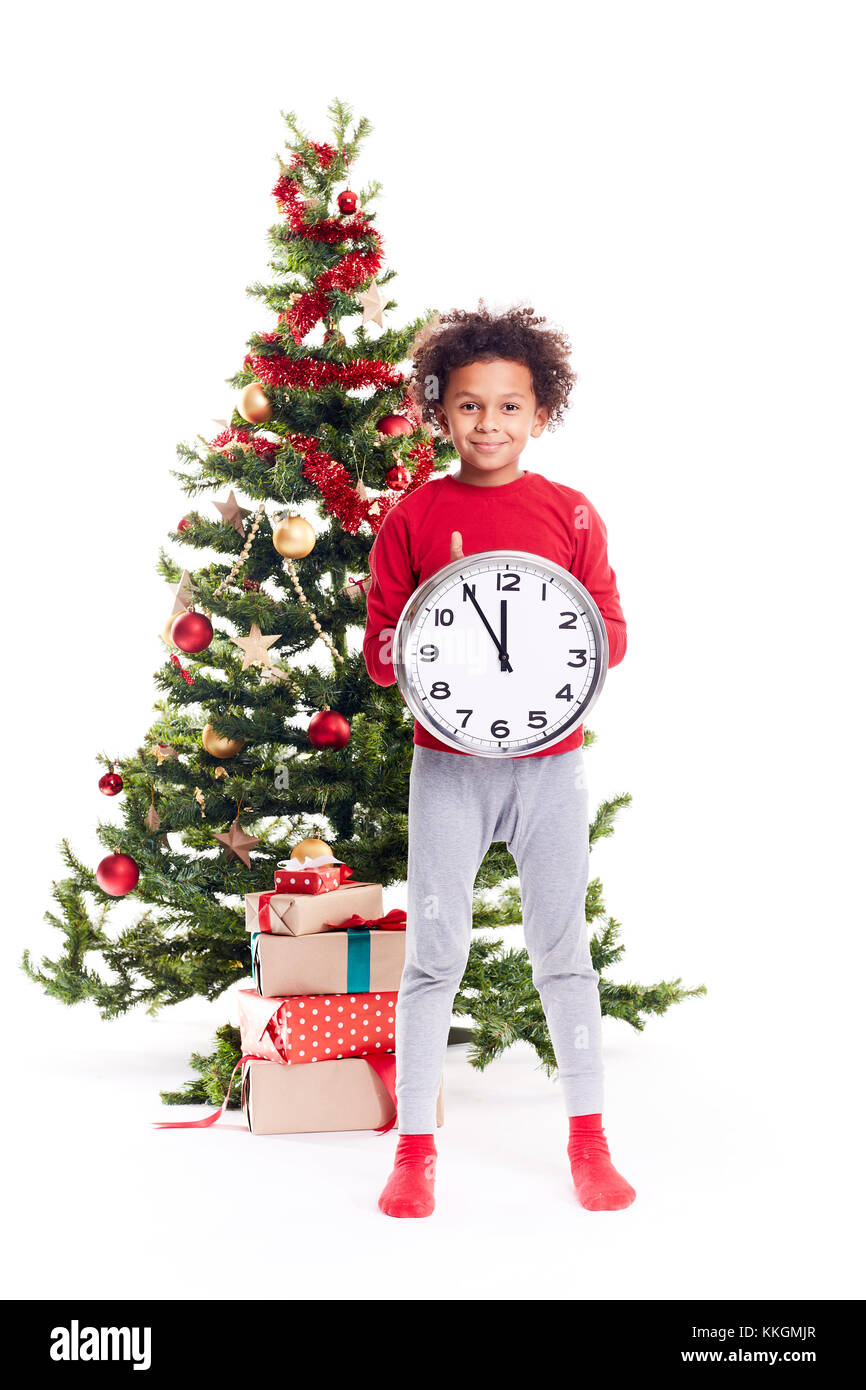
503	636
503	654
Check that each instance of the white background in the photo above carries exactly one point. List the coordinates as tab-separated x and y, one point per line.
679	186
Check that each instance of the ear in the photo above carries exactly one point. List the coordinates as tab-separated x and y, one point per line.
542	415
441	418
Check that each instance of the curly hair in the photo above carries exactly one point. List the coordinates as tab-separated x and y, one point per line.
462	336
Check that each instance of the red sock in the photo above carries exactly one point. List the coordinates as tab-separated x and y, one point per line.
409	1189
599	1186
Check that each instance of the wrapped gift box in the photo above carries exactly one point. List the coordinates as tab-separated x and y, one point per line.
341	962
320	874
357	589
301	914
337	1095
310	1028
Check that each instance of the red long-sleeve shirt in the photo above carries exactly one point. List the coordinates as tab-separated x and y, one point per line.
530	513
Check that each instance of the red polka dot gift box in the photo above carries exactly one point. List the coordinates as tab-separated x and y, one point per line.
319	874
315	1063
313	1028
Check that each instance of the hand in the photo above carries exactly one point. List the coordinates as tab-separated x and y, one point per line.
457	546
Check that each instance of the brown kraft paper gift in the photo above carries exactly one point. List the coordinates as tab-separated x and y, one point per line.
319	964
321	1097
301	914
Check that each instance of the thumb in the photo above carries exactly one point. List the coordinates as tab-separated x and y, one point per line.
457	546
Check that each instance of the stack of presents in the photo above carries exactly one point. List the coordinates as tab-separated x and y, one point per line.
317	1031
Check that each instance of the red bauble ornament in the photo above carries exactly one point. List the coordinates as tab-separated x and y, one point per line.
183	523
192	631
110	784
117	874
398	477
347	201
328	729
394	424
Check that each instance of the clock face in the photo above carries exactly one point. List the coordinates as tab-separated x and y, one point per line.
501	653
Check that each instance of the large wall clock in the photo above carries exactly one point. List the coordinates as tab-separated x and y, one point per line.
501	653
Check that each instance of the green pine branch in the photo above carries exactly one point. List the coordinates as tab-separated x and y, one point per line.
213	1074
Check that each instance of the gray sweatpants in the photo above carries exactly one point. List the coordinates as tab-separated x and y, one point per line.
459	805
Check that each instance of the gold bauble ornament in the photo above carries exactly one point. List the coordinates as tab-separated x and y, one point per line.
217	745
310	849
166	633
254	405
294	538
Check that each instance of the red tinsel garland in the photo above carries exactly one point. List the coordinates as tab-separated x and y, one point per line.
325	153
265	448
349	272
330	477
338	492
183	671
311	375
335	485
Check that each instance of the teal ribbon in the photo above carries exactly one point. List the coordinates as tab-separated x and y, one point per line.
357	962
253	939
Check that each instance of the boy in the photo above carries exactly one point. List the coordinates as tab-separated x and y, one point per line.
490	383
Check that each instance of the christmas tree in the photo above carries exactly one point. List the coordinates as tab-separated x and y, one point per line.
269	731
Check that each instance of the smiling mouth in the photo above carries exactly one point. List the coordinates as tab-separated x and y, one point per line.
482	444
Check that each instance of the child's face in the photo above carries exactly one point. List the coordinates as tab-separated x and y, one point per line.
490	412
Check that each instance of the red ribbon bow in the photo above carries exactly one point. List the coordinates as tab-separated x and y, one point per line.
395	920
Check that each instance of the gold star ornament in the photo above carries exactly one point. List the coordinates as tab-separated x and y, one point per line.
183	595
373	304
232	512
255	647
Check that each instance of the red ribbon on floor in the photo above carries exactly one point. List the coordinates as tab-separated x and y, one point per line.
385	1068
208	1119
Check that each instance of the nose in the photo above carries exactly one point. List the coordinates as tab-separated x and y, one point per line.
489	422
